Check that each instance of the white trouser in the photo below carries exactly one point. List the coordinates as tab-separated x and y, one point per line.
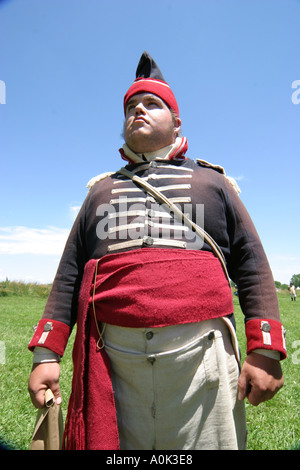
176	387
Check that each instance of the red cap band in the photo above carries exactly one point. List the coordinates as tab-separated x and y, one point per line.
154	86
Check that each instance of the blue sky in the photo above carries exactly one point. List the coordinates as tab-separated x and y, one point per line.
64	68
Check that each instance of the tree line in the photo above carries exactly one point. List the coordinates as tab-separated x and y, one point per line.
295	279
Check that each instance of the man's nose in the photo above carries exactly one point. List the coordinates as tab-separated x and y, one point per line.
139	109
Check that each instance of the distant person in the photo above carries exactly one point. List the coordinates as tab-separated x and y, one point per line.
156	362
292	292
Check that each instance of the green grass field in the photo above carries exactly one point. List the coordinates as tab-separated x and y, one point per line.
274	425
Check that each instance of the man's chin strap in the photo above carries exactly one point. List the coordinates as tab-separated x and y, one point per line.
173	151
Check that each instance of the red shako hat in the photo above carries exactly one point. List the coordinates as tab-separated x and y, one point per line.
149	79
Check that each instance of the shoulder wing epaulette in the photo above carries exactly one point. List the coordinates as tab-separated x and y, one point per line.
206	164
221	170
98	178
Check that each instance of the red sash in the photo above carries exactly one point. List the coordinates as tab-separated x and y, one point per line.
148	287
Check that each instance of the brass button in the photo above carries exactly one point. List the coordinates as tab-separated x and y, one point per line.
151	359
211	335
266	327
48	326
148	241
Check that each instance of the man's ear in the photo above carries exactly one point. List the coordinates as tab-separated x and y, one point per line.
177	125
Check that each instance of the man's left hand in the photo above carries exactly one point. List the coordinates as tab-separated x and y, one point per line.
261	377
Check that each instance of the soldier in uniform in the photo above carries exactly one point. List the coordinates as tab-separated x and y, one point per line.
145	276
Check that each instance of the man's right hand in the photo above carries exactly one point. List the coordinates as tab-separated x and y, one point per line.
44	376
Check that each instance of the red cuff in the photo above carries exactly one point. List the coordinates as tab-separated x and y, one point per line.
266	334
50	334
